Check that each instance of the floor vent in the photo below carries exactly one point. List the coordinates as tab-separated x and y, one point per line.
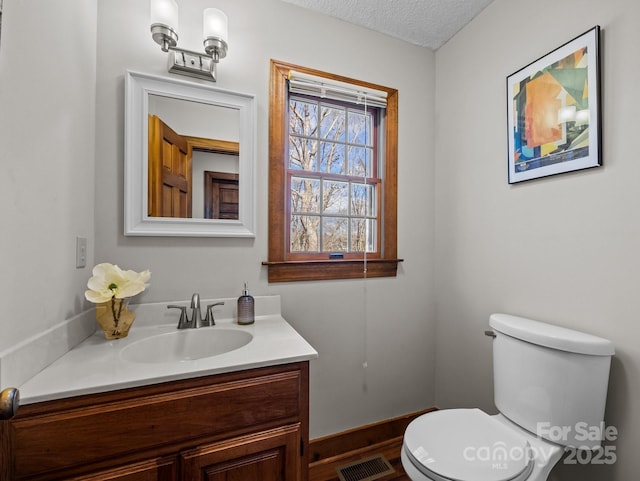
365	469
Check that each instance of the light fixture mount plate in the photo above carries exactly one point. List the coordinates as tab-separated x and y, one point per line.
192	64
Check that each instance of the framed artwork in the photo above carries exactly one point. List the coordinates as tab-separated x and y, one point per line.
554	111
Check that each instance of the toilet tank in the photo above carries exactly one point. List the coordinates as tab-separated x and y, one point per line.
550	380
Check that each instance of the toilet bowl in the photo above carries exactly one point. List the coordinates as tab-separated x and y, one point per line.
544	375
468	444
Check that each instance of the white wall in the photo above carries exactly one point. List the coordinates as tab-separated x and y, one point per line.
47	144
331	315
561	249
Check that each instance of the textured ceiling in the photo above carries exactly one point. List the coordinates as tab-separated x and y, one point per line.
428	23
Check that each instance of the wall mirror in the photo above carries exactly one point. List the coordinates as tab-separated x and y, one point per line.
189	159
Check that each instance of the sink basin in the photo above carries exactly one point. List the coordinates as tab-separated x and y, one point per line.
186	345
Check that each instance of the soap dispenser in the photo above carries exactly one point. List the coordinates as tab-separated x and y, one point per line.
246	313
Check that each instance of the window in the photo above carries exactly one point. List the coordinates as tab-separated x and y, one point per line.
332	177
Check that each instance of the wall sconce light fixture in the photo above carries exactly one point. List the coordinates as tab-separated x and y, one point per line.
164	24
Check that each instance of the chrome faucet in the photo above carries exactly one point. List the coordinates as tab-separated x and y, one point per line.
196	314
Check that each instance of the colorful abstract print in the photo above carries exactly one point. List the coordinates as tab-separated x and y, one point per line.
551	109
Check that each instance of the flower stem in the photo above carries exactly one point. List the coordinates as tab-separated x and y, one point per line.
116	317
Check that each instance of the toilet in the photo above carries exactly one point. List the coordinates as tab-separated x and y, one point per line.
550	388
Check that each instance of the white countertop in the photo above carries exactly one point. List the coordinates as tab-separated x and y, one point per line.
96	364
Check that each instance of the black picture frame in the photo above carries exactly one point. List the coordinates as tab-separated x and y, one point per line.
554	111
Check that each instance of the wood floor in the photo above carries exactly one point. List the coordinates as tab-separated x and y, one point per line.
336	450
325	469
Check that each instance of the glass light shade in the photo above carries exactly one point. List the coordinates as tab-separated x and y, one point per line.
215	24
164	12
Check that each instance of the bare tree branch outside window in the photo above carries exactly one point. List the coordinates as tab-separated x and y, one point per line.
332	183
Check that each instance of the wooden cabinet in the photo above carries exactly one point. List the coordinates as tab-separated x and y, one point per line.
248	425
151	470
264	456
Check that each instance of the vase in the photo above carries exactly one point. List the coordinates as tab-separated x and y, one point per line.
115	318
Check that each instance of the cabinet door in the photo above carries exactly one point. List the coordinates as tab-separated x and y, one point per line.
272	455
159	469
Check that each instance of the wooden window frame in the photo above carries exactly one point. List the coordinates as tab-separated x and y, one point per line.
282	268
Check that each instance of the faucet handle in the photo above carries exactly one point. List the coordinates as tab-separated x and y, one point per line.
183	323
209	320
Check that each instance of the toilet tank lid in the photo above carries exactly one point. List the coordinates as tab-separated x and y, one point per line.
548	335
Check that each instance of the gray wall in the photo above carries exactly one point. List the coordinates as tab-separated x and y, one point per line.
398	312
561	249
47	151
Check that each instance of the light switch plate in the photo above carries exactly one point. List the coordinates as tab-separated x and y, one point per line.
81	252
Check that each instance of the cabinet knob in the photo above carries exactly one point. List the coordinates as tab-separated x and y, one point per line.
9	402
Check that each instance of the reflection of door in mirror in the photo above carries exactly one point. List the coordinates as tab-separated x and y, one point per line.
215	193
169	171
201	126
220	195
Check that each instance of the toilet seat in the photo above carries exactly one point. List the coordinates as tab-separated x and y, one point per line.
467	445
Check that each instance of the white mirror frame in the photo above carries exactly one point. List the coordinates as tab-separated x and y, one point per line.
138	87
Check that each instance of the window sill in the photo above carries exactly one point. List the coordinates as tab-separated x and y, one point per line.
327	269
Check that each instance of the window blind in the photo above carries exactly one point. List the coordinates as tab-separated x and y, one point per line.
307	84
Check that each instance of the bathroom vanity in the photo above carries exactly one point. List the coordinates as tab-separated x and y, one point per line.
251	424
239	415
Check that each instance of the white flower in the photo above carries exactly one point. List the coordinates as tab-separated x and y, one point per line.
111	282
